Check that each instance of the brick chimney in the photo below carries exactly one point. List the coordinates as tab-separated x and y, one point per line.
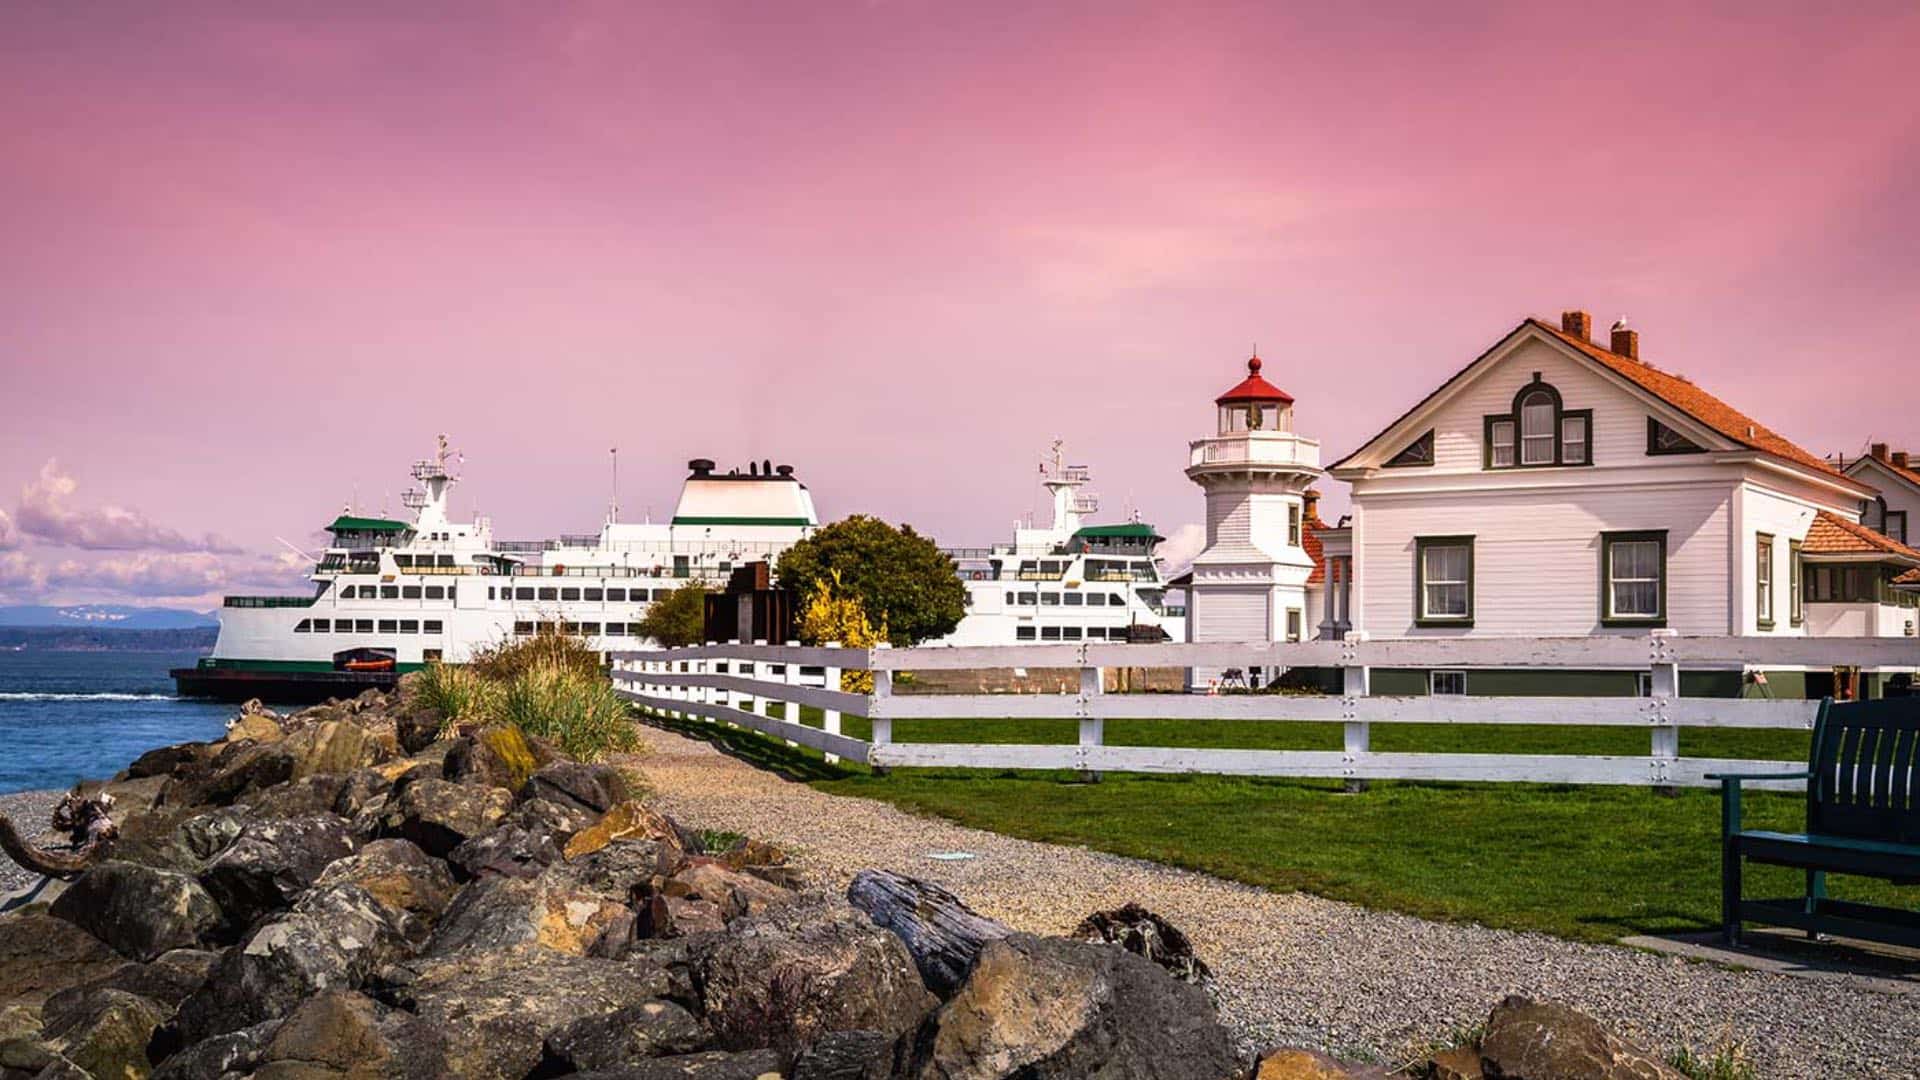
1900	459
1577	323
1878	451
1310	511
1625	342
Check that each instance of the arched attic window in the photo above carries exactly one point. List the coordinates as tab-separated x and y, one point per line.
1540	431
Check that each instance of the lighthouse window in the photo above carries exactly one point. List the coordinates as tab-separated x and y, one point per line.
549	594
1293	525
409	626
596	594
389	592
360	626
409	592
523	594
389	626
304	626
432	626
322	626
436	592
569	594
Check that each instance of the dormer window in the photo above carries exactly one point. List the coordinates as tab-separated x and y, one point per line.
1539	432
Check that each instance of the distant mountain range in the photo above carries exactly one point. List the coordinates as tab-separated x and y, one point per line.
104	617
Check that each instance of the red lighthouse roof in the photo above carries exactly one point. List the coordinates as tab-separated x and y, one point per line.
1254	388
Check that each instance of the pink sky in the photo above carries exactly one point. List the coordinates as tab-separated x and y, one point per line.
254	259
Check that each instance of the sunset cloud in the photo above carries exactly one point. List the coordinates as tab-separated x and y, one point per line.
198	578
1183	542
46	515
9	536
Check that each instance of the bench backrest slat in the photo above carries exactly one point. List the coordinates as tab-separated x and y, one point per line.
1865	757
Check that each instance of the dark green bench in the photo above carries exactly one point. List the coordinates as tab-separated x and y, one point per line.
1863	817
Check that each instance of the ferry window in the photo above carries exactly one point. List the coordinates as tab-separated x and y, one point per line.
591	629
1049	599
549	594
569	594
409	592
403	560
444	560
662	594
436	592
1074	599
543	626
409	626
1098	599
1029	599
1049	566
432	626
618	596
616	629
634	629
1071	633
523	628
321	626
595	594
431	656
388	626
346	593
1097	633
1049	633
304	626
361	626
726	567
490	595
569	627
1023	633
1010	600
389	592
523	594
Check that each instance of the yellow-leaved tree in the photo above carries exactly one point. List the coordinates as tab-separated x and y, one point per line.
833	614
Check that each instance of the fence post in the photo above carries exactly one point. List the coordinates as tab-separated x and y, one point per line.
830	718
882	723
1664	686
1092	728
1356	682
790	710
760	705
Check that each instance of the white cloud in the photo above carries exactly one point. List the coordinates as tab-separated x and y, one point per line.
196	576
45	515
21	578
9	538
1183	542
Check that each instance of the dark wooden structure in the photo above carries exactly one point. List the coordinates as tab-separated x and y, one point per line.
1863	817
751	609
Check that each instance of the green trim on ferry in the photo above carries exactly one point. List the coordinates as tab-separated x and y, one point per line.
1131	529
741	521
349	523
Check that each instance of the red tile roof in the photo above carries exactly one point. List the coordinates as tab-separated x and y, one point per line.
1695	402
1831	534
1310	542
1911	577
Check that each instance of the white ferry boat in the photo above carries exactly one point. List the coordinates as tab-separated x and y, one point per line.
391	595
1069	582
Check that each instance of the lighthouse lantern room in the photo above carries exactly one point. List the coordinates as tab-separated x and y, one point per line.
1251	582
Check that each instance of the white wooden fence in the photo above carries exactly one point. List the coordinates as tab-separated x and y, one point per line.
734	684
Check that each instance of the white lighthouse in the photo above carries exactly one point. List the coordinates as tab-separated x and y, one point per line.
1251	581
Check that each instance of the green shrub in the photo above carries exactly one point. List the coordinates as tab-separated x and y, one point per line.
458	693
1727	1061
576	710
509	659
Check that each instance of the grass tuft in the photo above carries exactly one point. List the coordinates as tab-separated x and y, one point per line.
510	659
578	711
459	694
1728	1060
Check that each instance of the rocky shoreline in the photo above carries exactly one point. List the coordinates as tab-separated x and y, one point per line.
347	893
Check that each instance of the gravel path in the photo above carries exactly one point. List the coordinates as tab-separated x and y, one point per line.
1299	970
28	810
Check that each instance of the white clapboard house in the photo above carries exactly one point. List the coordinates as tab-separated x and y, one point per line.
1558	486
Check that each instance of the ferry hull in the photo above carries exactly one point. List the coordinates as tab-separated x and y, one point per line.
283	687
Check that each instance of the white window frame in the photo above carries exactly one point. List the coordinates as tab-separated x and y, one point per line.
1509	446
1428	582
1615	580
1535	403
1573	450
1433	682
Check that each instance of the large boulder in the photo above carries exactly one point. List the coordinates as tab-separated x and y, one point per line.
734	894
649	1029
495	756
944	935
164	760
788	977
417	726
333	939
333	746
1543	1040
495	912
316	794
594	788
413	887
203	836
234	770
139	910
628	820
105	1034
271	862
1044	1008
497	1008
510	850
849	1055
168	981
40	955
349	1036
236	1053
257	727
1295	1063
440	815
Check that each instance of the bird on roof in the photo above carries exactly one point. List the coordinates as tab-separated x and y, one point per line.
1620	323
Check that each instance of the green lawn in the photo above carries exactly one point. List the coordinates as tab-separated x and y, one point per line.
1593	863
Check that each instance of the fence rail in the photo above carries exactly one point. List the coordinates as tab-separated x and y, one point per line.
736	684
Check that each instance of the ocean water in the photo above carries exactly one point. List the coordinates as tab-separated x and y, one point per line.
67	716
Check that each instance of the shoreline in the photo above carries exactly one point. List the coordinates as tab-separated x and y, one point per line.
28	810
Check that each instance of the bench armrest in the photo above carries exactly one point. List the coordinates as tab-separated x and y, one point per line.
1730	793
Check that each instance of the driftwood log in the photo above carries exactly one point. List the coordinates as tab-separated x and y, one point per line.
944	935
1143	933
88	825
